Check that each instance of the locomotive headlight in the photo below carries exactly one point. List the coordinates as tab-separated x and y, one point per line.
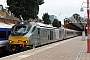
26	41
10	41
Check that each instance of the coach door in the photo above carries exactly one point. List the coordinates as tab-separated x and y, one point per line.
51	35
39	35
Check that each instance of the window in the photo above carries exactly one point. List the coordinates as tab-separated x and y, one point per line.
33	28
2	34
9	33
20	29
0	7
38	30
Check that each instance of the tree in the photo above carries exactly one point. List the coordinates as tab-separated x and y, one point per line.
56	23
59	23
26	8
46	19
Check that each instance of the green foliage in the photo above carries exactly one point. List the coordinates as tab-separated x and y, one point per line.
26	8
46	19
56	23
40	2
59	23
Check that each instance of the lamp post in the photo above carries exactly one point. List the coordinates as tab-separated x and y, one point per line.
88	25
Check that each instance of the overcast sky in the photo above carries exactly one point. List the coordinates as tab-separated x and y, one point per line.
59	8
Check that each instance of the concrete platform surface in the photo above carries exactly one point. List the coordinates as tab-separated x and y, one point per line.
70	49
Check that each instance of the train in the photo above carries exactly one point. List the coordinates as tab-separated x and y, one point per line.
5	30
25	35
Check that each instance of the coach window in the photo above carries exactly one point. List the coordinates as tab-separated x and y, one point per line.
9	33
38	30
3	34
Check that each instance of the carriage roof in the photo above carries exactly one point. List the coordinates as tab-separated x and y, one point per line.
3	25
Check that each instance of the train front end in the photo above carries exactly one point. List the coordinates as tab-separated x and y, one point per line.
18	41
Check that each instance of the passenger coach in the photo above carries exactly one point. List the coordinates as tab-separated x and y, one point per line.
5	30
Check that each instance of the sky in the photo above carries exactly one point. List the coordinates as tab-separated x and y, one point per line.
60	8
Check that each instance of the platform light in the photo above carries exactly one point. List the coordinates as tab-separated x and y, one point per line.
88	25
81	9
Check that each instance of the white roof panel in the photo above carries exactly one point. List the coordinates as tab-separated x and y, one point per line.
3	25
41	24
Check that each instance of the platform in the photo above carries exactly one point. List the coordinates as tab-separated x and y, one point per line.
71	49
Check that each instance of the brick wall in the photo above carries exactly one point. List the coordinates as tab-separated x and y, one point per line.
9	21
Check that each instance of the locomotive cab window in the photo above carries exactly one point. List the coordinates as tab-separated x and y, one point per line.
33	28
21	29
